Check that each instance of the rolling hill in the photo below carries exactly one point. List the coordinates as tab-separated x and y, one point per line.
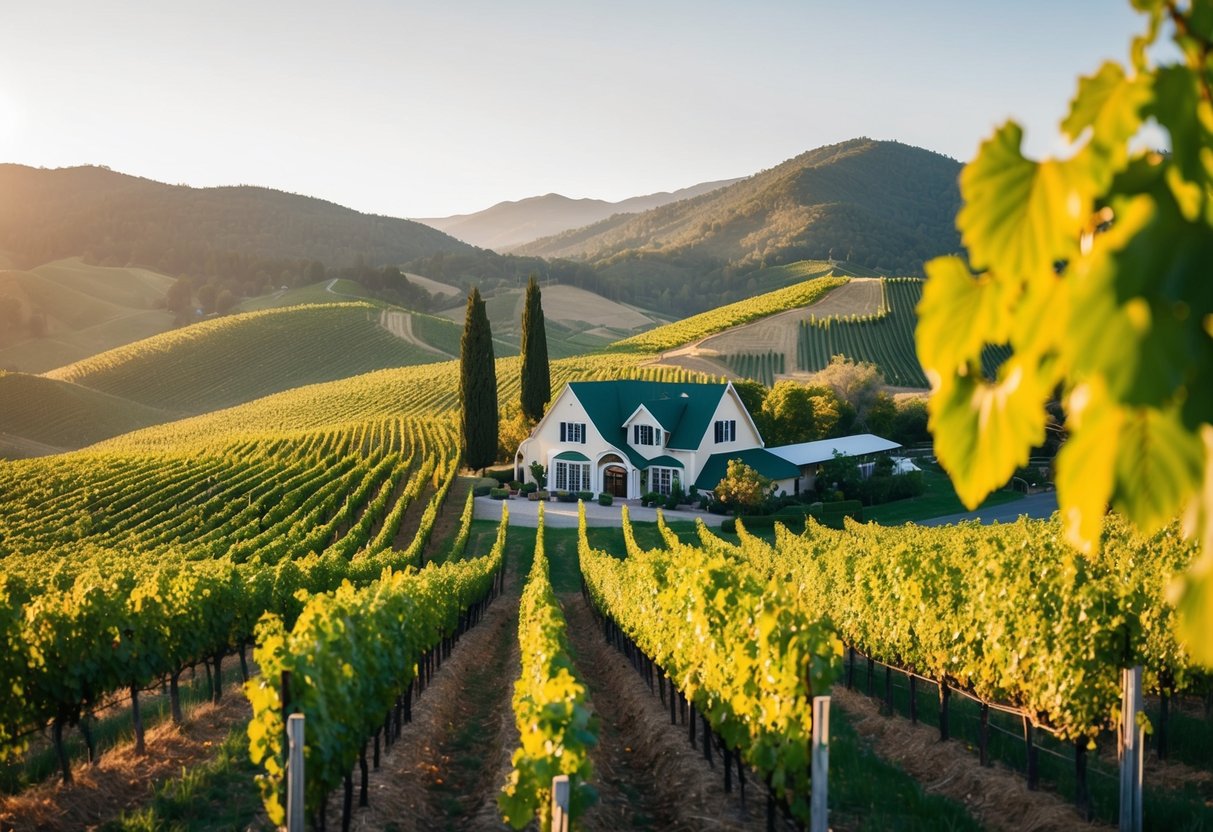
510	224
242	235
883	205
226	361
576	321
41	415
67	310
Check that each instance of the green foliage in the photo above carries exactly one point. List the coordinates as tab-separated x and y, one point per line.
725	317
743	488
1093	269
794	412
351	653
536	384
746	651
1009	612
555	726
478	386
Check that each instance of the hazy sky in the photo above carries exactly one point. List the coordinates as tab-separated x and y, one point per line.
426	109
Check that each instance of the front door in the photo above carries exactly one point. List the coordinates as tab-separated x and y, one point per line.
615	481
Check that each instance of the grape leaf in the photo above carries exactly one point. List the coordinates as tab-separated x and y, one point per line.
984	430
1020	217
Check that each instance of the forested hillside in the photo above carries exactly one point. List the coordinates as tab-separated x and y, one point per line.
253	236
878	205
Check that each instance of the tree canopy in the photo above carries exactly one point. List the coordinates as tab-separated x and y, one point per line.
536	373
478	386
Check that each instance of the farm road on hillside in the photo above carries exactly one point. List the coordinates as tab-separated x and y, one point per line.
777	333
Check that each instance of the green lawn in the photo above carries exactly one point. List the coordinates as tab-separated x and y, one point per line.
940	499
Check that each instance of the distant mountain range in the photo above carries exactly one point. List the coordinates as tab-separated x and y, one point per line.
871	205
507	225
245	236
882	204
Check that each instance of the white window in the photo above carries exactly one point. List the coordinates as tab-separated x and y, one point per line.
662	480
572	476
726	431
572	432
643	435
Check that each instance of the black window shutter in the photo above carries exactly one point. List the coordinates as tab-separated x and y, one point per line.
563	425
583	434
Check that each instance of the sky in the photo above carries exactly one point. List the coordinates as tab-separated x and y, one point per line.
424	109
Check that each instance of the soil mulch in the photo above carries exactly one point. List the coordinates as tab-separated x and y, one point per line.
122	780
997	797
449	763
646	773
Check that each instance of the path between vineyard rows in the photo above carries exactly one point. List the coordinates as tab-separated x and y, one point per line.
450	762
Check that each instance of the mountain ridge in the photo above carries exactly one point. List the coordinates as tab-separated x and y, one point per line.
511	223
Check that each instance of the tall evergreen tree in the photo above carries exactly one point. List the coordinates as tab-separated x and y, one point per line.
536	374
478	386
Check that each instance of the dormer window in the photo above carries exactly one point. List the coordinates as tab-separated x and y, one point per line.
726	431
644	435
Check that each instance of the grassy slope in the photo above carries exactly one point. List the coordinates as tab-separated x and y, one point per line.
227	361
64	415
566	336
88	309
323	292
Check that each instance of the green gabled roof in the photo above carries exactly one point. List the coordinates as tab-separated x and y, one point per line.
610	403
667	412
572	456
664	461
760	459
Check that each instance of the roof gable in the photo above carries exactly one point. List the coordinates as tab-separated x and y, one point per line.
687	406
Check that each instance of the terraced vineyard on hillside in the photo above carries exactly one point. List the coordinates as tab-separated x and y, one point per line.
885	338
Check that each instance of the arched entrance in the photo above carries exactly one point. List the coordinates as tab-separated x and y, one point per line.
614	473
615	481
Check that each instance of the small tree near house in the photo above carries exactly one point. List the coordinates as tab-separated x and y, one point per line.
743	488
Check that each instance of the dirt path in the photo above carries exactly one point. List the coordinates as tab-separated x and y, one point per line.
449	763
996	797
400	324
123	781
647	774
446	524
775	333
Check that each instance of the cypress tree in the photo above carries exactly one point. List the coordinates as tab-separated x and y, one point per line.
478	386
536	374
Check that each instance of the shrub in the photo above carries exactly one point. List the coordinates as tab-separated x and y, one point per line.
502	475
499	493
482	490
514	485
650	498
529	488
566	497
605	499
585	496
672	502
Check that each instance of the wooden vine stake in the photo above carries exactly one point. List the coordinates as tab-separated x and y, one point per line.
560	803
294	774
819	815
1132	744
